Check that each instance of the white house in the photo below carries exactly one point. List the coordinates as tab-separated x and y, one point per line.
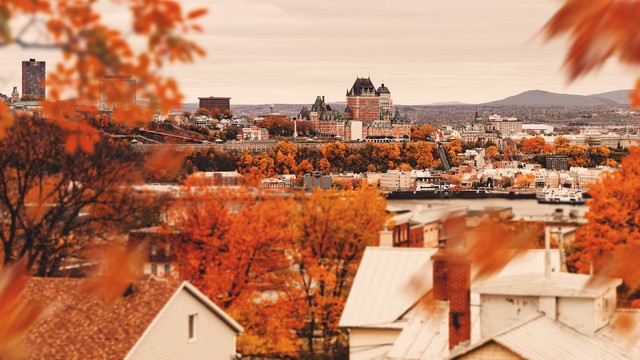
154	319
413	304
383	313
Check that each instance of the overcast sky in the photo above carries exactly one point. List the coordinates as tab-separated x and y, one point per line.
425	51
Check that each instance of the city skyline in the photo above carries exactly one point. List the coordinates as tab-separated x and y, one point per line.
281	51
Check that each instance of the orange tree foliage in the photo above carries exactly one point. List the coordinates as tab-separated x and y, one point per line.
492	152
233	246
287	158
423	132
584	156
598	30
453	148
534	145
332	228
277	125
282	268
611	238
419	155
524	180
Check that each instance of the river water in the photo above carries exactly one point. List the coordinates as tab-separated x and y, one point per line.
521	208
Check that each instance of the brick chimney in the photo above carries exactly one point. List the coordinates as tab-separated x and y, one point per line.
452	282
440	290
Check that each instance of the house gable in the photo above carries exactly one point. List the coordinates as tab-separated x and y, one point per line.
209	333
490	351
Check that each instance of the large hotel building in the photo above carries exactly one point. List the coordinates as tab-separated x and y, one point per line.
369	114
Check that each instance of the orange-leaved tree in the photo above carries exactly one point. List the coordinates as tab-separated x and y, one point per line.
233	245
535	145
613	229
332	229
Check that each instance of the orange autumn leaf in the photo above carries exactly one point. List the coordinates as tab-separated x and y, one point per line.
93	48
598	30
164	163
492	245
119	267
197	13
17	316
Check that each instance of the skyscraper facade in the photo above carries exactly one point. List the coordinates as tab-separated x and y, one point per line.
33	76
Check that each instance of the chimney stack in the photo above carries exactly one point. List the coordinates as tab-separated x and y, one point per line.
452	282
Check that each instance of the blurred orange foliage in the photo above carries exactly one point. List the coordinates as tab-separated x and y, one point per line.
93	48
598	30
17	316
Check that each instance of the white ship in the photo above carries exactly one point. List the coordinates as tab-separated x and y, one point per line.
560	196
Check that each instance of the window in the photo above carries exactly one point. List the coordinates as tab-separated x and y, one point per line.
193	322
154	269
153	249
167	269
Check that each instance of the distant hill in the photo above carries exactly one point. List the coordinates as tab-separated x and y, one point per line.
447	103
548	99
619	96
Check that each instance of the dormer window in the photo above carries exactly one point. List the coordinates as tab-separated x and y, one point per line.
193	323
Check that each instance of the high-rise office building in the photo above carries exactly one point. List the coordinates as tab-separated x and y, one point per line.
212	102
33	76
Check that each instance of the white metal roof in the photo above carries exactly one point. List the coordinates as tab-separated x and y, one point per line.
624	331
388	283
543	338
427	216
558	284
426	333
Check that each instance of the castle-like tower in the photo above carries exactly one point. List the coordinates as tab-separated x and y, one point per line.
363	102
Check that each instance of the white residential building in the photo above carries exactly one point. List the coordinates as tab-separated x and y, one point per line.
383	313
400	308
396	180
506	126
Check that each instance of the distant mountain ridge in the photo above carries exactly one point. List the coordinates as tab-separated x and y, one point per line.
619	96
532	98
542	98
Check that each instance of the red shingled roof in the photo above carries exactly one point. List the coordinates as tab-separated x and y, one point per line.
80	326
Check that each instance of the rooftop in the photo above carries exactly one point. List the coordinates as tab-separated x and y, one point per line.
361	86
81	324
557	284
544	338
